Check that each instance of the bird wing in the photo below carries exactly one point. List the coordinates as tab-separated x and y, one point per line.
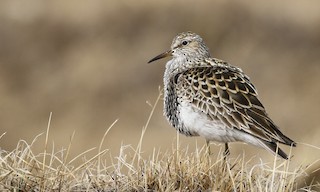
225	93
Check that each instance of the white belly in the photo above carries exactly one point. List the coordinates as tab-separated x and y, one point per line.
199	123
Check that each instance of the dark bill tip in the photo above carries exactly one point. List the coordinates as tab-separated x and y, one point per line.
162	55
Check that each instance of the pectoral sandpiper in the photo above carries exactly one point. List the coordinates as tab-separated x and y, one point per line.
208	97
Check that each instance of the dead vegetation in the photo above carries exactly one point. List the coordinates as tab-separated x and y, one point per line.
178	169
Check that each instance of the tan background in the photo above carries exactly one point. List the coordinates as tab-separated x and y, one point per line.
86	61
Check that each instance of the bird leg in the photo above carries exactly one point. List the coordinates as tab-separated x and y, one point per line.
226	151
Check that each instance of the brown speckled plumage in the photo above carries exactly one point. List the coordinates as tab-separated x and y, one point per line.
208	97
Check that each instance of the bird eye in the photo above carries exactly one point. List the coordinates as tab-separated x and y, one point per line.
184	42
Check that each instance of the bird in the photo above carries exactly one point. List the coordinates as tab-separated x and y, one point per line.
210	98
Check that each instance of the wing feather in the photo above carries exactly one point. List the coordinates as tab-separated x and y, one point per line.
226	93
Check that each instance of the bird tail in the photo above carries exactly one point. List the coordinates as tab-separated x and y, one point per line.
284	139
287	140
274	149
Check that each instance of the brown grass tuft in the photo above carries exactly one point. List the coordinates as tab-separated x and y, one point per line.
178	169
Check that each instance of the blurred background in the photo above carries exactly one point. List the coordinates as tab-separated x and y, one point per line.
86	61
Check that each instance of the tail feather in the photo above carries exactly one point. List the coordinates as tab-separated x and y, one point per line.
274	148
286	140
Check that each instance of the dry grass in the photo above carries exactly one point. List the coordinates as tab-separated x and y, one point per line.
177	169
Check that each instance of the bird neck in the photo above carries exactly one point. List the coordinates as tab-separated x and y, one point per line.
176	65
